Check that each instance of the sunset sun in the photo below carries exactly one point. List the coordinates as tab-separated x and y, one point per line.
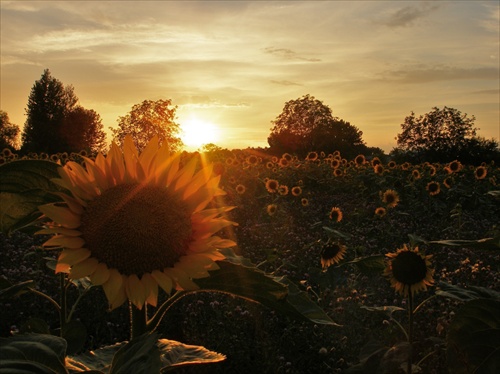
196	132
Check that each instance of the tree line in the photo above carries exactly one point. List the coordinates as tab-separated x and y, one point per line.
57	123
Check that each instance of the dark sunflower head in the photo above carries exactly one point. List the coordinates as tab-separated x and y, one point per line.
331	254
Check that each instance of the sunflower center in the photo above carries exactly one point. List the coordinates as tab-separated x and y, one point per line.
409	268
136	229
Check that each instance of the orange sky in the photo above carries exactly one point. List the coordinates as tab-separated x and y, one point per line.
236	63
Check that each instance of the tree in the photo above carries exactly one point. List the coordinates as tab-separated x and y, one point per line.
49	102
306	124
82	129
441	135
9	133
147	119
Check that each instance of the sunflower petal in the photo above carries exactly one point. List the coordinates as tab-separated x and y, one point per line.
73	256
136	291
151	288
62	215
65	241
164	281
113	288
100	274
183	283
84	268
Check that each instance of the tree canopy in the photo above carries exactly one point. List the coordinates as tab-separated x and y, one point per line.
307	124
56	123
9	132
442	135
147	119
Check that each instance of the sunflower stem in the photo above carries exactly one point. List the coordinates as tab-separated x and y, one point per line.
153	323
62	304
137	321
410	332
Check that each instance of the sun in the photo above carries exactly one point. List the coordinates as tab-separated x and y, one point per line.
196	132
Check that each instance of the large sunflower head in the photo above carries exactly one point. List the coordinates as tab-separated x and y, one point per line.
331	254
391	198
409	271
132	222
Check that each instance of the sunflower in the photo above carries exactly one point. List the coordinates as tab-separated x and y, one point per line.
359	160
338	172
304	201
392	164
409	271
271	209
433	188
335	163
391	198
287	156
378	169
336	214
312	156
252	160
415	174
376	161
480	172
283	190
240	189
380	211
447	182
296	191
283	162
134	222
331	254
272	185
454	166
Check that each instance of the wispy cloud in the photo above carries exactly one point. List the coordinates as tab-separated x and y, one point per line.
426	74
288	54
407	15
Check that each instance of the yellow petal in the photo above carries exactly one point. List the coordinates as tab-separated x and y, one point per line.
113	287
135	291
163	280
199	180
186	173
59	230
100	274
181	279
84	268
62	268
120	297
61	215
151	287
73	256
65	241
148	154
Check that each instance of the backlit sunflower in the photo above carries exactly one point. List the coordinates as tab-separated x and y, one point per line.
331	254
336	214
304	201
480	172
391	198
134	222
360	160
283	190
272	185
296	191
271	209
433	188
312	156
240	189
409	271
380	211
454	166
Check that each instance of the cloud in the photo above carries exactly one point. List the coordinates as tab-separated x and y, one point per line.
286	83
426	74
407	15
288	54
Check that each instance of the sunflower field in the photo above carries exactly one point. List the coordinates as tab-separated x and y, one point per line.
403	258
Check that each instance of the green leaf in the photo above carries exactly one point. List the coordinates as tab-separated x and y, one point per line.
35	325
253	284
33	353
25	185
140	355
16	290
387	309
336	233
486	243
98	360
495	194
369	265
75	333
473	341
174	354
466	294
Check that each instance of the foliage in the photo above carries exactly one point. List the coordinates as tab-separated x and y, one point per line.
56	123
49	102
306	124
9	132
146	120
82	129
442	135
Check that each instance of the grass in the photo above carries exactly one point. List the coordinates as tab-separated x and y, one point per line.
288	243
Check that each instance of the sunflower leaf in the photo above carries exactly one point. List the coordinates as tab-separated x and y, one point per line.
12	291
33	353
140	355
369	265
473	338
486	243
239	277
466	294
25	185
98	360
174	354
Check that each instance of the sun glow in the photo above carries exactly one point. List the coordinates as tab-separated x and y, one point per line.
196	132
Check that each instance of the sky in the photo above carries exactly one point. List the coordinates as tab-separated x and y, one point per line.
234	64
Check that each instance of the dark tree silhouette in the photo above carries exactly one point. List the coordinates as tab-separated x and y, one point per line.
9	133
147	119
82	129
49	102
306	124
442	135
